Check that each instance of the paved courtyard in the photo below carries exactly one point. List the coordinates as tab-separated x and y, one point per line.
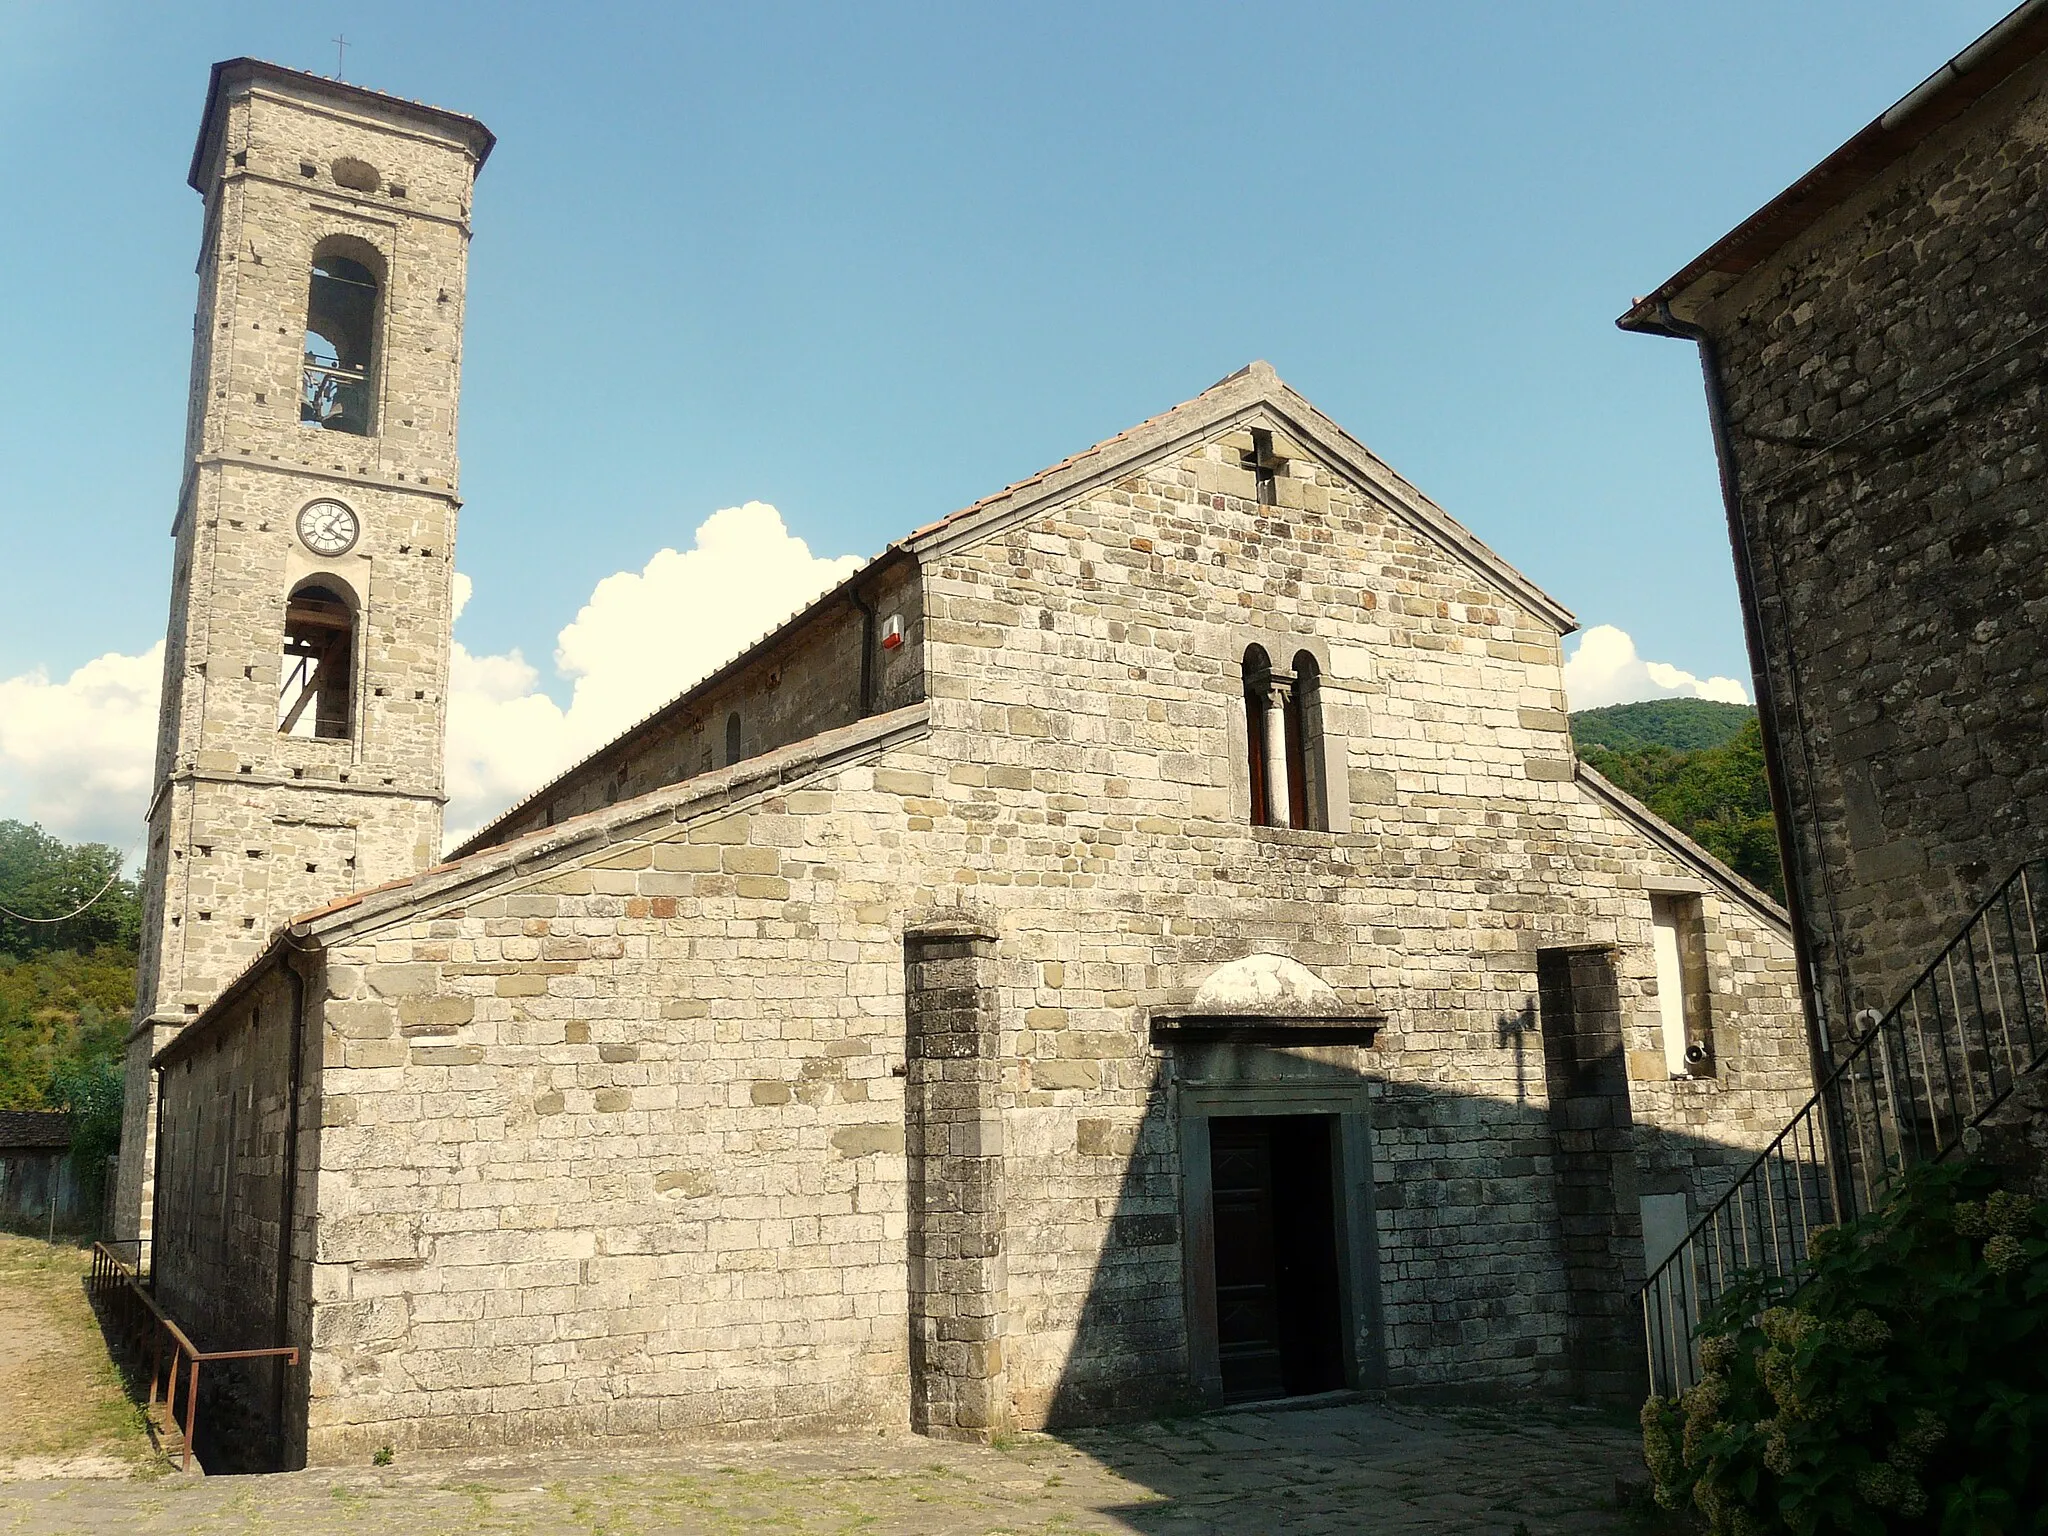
1350	1469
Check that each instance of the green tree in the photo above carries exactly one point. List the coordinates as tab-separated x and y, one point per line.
1717	796
87	1086
55	1008
44	877
68	988
1684	725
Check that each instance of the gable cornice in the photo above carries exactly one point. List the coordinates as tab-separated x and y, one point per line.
649	818
1685	850
1248	395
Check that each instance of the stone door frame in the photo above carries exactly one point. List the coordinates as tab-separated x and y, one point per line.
1358	1283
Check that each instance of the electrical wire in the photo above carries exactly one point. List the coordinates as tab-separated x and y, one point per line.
74	912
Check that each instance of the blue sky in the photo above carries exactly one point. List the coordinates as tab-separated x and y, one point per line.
867	263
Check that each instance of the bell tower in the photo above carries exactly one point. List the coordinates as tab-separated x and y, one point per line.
299	750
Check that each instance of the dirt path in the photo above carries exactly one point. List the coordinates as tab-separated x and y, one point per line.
63	1413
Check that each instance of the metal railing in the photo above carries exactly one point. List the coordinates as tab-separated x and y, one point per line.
149	1335
1968	1029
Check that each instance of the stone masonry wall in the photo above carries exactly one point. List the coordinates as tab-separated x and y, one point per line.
615	1147
1085	694
955	1188
1883	376
1593	1166
615	1138
231	1145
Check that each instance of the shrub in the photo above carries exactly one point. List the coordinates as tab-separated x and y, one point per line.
1903	1388
90	1091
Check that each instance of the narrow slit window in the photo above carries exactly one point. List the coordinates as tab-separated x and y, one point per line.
1306	797
315	694
1679	940
341	329
732	738
1258	684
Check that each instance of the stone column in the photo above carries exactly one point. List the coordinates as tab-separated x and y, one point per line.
1278	690
1593	1169
953	1135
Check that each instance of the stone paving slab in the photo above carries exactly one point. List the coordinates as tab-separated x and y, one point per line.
1346	1469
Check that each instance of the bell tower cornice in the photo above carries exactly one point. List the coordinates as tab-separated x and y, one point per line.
318	93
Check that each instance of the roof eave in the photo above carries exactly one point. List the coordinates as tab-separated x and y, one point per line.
895	555
708	794
1683	848
2018	38
196	1033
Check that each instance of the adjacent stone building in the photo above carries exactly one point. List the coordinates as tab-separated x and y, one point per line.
1141	941
1873	341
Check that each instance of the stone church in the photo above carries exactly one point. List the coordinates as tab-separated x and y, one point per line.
1143	940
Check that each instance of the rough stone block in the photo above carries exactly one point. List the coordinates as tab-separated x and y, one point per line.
867	1140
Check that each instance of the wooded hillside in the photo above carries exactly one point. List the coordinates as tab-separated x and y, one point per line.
66	988
1683	725
1699	765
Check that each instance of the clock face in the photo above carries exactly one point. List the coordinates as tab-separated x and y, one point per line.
328	527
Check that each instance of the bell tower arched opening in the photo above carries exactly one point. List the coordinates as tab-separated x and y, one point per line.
316	676
344	303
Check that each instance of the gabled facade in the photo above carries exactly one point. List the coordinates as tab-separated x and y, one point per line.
1188	965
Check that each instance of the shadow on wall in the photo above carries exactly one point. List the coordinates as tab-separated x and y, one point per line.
1287	1221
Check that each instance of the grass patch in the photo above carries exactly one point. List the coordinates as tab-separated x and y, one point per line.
60	1395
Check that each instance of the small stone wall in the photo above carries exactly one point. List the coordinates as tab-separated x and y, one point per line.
1593	1166
239	1162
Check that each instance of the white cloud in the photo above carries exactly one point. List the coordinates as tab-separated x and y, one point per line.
1605	669
76	755
642	638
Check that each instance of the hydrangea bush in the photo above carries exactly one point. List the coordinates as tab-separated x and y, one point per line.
1903	1388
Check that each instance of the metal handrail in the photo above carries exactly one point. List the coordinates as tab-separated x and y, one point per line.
1971	1025
113	1277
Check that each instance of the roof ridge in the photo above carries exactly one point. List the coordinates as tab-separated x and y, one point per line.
1258	367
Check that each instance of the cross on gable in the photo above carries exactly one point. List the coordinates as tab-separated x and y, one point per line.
1264	464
